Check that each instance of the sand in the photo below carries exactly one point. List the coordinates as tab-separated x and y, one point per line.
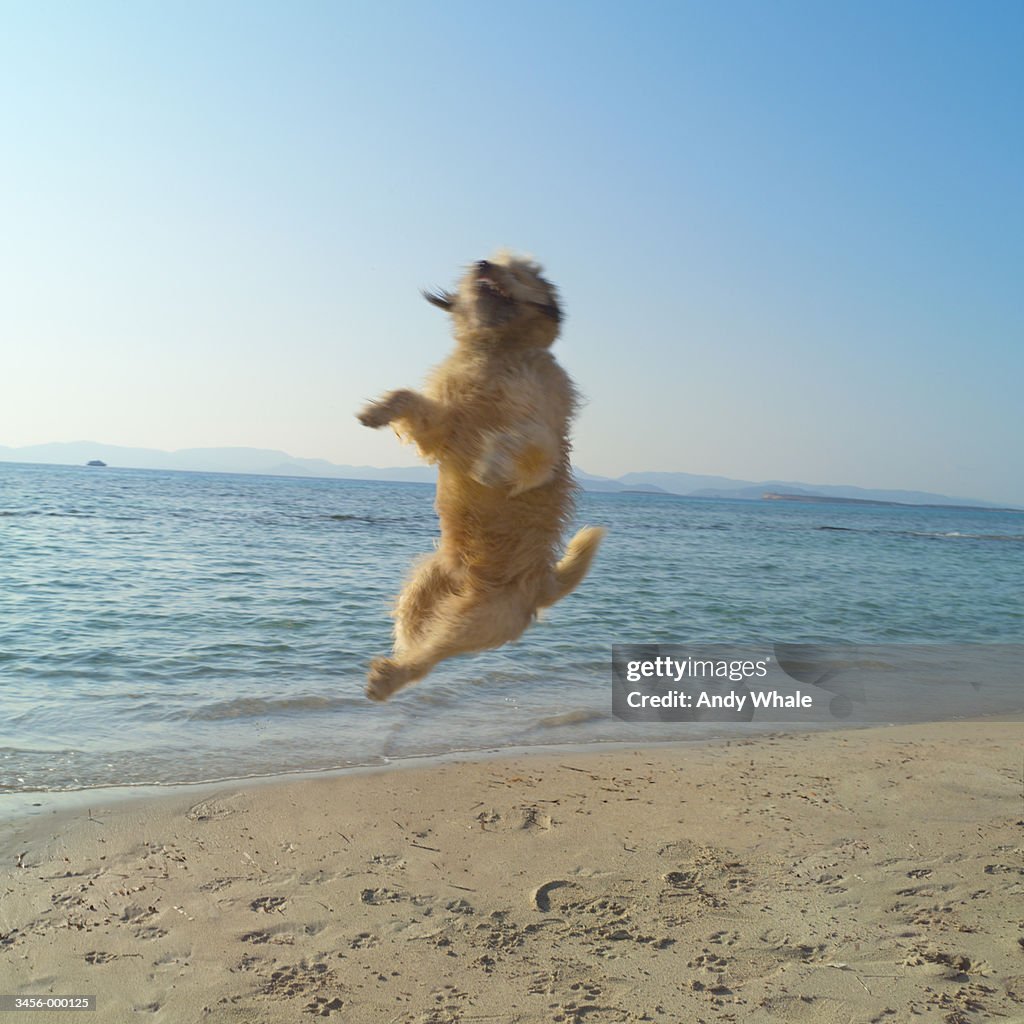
871	875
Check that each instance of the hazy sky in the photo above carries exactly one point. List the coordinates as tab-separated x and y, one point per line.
789	236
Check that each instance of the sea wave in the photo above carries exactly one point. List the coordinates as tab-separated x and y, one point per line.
262	707
957	535
928	534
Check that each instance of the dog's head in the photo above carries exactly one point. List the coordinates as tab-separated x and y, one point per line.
503	299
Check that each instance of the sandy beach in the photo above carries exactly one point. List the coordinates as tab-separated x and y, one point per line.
871	875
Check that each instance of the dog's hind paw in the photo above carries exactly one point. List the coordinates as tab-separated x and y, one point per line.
386	676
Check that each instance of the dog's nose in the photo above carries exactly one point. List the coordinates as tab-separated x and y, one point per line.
482	265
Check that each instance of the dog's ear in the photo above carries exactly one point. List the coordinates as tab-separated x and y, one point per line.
550	310
442	299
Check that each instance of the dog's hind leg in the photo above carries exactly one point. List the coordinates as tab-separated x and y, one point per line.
461	624
429	585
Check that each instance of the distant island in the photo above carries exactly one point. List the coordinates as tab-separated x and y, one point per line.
825	499
269	462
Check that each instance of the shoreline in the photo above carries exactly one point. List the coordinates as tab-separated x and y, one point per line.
810	876
31	804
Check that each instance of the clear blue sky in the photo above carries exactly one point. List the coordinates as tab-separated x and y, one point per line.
789	236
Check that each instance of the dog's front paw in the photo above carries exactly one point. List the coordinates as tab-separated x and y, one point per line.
382	412
374	415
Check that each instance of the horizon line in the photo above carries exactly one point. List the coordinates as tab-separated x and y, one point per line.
639	487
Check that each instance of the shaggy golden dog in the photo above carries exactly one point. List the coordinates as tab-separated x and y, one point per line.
495	418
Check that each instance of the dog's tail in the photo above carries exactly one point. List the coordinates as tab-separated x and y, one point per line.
569	572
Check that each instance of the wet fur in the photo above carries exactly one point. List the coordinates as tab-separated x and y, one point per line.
495	418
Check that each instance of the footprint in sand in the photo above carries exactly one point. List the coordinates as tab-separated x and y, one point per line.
97	957
533	819
269	904
710	962
282	937
523	818
216	807
681	879
321	1006
375	897
216	884
299	979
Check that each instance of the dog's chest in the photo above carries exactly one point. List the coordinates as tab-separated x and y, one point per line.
493	389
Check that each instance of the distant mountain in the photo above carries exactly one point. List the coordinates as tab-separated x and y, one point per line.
267	462
749	490
277	463
589	482
816	499
680	483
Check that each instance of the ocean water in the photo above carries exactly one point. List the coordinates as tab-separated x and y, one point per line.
159	628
